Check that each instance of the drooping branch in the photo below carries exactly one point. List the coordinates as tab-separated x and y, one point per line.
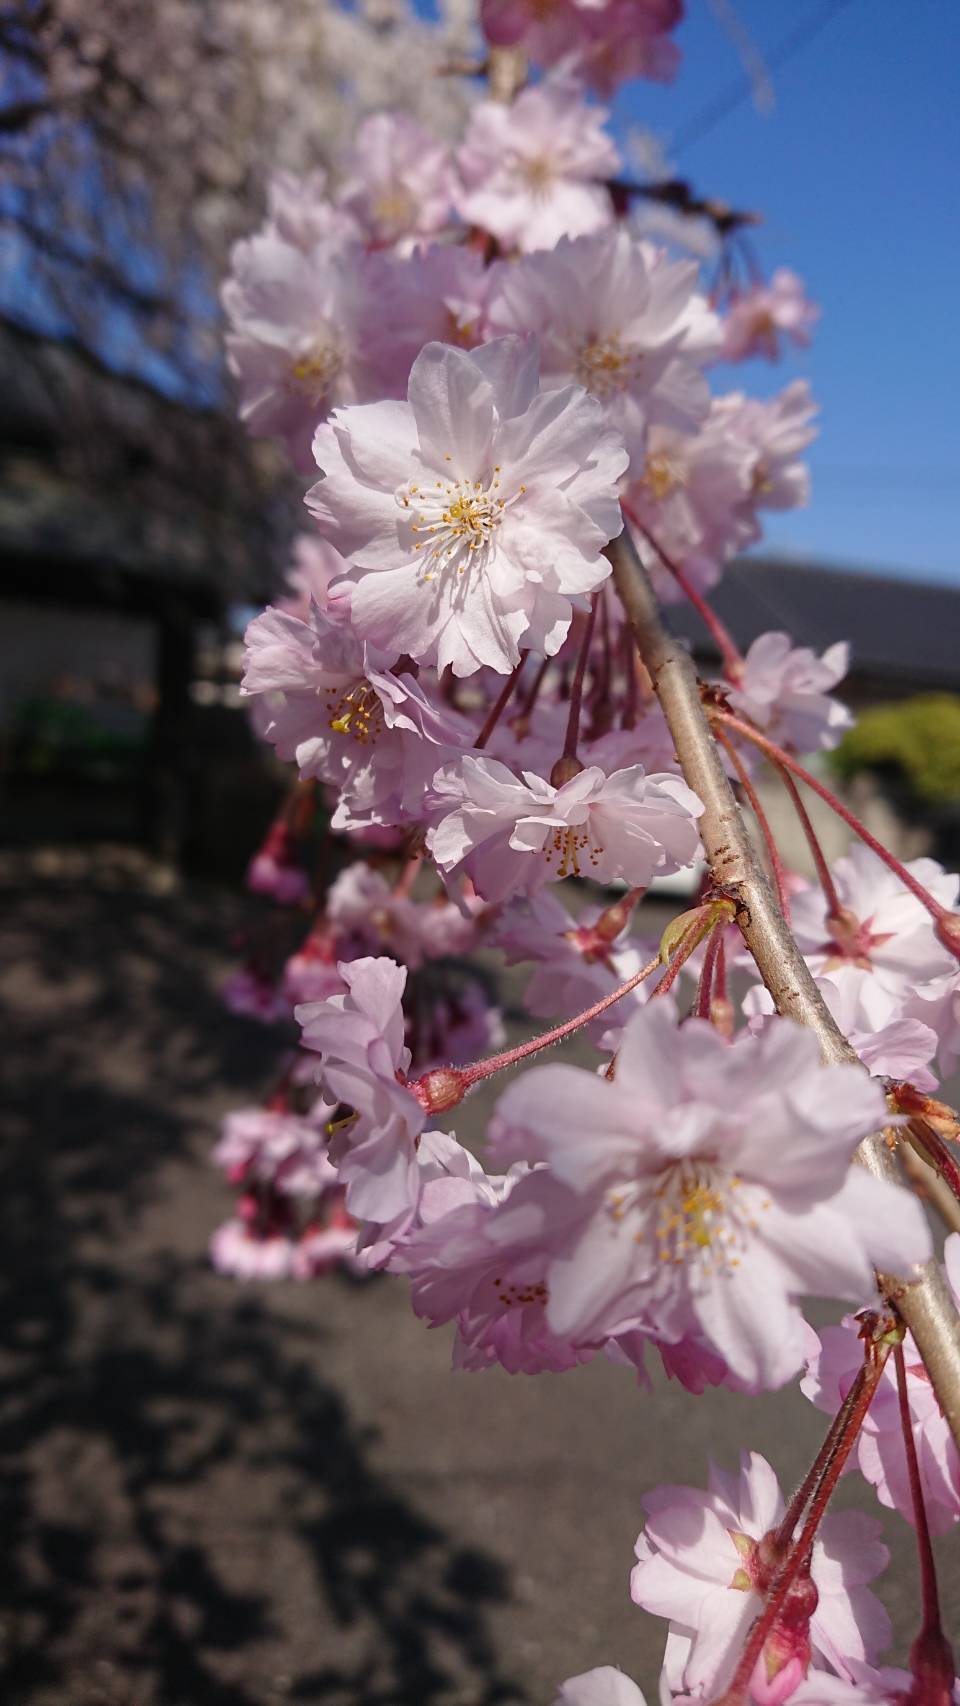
924	1302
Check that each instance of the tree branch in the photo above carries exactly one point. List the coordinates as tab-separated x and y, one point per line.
924	1302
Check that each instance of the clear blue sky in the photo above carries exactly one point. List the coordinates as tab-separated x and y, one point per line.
857	175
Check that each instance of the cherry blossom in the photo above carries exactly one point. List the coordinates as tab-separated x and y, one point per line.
474	513
359	1037
300	212
314	569
440	295
784	689
334	708
399	182
249	992
605	1686
487	1272
533	170
238	1252
872	1019
776	431
883	928
716	1190
834	1356
760	319
607	42
276	870
692	496
615	315
701	1565
277	1147
306	335
574	966
937	1004
511	836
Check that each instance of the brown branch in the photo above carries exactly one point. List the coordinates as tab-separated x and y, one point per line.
924	1302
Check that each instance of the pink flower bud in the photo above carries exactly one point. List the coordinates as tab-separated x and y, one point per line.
439	1090
947	931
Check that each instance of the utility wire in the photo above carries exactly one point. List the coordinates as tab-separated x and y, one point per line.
741	88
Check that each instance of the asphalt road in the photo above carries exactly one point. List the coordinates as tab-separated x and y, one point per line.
219	1496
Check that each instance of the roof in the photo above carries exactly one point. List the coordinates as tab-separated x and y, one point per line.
902	632
112	492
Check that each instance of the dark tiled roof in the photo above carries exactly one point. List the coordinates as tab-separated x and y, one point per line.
904	631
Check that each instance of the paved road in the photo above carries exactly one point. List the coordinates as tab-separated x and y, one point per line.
226	1497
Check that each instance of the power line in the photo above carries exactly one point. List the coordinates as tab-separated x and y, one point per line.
741	88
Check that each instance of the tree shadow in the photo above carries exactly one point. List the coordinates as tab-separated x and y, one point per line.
193	1516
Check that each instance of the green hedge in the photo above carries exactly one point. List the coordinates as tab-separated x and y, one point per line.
919	737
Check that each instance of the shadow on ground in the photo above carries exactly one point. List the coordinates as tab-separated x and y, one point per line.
193	1515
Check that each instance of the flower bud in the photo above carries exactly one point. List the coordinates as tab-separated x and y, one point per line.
565	769
440	1089
947	931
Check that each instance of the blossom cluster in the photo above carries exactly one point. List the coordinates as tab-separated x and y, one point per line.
487	372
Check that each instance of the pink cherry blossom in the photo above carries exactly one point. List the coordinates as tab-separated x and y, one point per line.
448	1177
605	1686
399	182
320	1248
301	212
775	431
759	320
440	295
275	1147
454	1024
474	513
574	969
362	905
869	1687
884	929
487	1273
715	1189
276	870
699	1564
512	836
238	1251
937	1004
248	991
834	1357
310	973
314	569
359	1037
784	689
872	1019
334	708
615	315
306	335
607	42
691	495
532	171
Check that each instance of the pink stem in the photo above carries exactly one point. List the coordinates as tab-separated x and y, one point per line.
707	975
576	686
799	1553
834	908
928	1569
783	758
773	852
730	652
690	940
501	702
496	1063
937	1154
408	875
526	709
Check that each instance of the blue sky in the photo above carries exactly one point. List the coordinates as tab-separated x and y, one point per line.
857	175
